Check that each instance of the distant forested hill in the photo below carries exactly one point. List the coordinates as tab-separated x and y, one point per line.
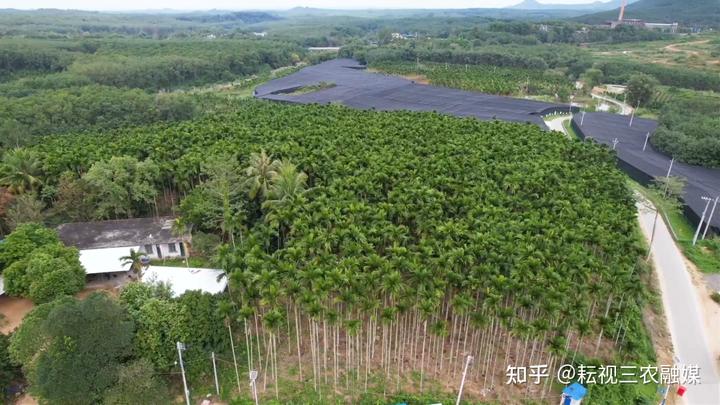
589	7
688	12
247	17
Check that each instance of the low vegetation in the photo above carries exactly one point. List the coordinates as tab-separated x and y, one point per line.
486	79
688	130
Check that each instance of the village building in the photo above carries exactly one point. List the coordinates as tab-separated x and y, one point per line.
103	244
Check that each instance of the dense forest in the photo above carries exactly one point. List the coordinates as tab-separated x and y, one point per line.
688	130
54	86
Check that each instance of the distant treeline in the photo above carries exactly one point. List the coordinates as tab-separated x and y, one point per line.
58	86
19	57
619	71
84	108
563	32
688	130
247	17
145	64
515	56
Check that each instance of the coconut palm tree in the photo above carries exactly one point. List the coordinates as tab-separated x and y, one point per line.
135	261
260	173
288	186
20	171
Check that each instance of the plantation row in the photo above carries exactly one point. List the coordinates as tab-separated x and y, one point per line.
487	79
362	244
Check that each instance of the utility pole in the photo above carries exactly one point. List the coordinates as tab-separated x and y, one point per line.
632	114
647	136
462	382
709	221
702	218
217	386
232	346
180	348
253	377
657	210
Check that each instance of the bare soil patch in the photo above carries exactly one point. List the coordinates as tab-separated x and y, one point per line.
677	47
13	310
421	79
26	399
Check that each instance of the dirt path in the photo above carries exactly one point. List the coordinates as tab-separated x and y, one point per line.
677	47
13	310
26	399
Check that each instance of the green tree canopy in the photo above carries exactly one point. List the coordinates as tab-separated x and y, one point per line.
23	240
137	384
123	186
25	209
640	88
9	371
48	272
65	360
72	199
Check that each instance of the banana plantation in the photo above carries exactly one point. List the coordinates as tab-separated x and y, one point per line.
375	251
487	79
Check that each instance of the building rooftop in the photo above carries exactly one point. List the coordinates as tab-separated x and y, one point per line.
119	233
183	279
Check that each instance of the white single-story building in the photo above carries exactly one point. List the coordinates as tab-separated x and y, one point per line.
103	243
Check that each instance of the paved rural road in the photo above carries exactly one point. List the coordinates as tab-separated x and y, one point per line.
624	108
556	124
683	311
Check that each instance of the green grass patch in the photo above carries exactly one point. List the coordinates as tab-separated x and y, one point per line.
194	261
705	255
570	130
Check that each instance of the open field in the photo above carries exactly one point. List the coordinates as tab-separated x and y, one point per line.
696	51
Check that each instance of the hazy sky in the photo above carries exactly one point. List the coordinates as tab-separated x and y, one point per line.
264	4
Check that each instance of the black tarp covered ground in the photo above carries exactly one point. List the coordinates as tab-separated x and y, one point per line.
643	166
355	87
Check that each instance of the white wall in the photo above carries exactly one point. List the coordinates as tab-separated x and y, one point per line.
165	250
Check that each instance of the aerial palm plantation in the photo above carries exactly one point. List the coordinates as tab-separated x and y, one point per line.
396	244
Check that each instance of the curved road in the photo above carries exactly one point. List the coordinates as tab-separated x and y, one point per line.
682	309
624	108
